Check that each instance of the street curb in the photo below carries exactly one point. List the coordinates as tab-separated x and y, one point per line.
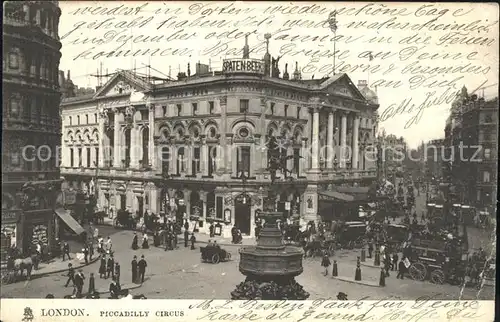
370	265
128	288
345	279
65	269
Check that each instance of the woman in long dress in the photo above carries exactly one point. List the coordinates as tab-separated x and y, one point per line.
102	267
145	244
135	242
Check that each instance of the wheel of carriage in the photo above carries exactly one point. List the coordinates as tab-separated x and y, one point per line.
418	271
437	276
215	258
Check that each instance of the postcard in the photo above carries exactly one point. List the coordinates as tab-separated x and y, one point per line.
249	161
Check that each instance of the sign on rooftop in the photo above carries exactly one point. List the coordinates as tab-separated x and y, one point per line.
237	65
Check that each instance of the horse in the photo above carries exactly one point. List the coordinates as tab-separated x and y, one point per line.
25	263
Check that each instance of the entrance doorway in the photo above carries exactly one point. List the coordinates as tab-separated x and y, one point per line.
123	202
242	216
140	205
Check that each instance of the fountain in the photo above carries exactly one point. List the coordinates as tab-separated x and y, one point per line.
271	266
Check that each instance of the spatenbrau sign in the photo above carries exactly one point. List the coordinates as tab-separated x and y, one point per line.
243	66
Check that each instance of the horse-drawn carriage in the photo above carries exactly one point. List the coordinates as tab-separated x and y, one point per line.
352	234
214	254
293	234
319	245
396	236
436	259
124	219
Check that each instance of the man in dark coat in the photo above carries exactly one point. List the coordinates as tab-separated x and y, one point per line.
142	268
401	269
102	267
211	229
66	251
395	258
370	249
186	225
86	254
186	237
193	240
71	275
110	269
134	270
113	290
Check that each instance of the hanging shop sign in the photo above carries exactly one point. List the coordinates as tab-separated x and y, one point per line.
235	65
39	235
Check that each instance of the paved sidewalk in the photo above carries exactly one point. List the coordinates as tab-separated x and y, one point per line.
56	265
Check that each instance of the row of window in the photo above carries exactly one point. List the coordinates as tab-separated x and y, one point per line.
32	162
244	107
88	118
40	107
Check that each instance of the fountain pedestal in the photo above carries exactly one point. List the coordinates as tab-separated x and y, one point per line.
270	267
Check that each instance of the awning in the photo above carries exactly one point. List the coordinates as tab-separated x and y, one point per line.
69	220
352	189
336	195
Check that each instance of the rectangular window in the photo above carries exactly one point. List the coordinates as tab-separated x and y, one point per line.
87	119
79	157
286	110
144	115
296	160
243	161
272	108
180	161
212	156
243	106
218	206
486	176
211	107
14	108
89	161
179	109
298	112
195	108
96	157
164	109
165	160
71	158
95	117
196	161
13	60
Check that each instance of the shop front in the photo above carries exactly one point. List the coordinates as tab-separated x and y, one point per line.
9	232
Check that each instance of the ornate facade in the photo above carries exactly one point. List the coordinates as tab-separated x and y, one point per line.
198	145
30	123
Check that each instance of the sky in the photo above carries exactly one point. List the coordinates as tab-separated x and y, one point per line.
417	55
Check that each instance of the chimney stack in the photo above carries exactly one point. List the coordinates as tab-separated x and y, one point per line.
285	74
69	77
189	69
362	83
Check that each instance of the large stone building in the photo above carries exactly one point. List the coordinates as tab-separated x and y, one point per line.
31	98
472	127
198	144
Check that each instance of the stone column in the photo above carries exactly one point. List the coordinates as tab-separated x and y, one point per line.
203	198
154	200
343	141
315	140
331	153
153	157
204	156
100	139
187	201
117	161
263	132
134	147
230	165
173	157
355	143
223	155
38	17
305	157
